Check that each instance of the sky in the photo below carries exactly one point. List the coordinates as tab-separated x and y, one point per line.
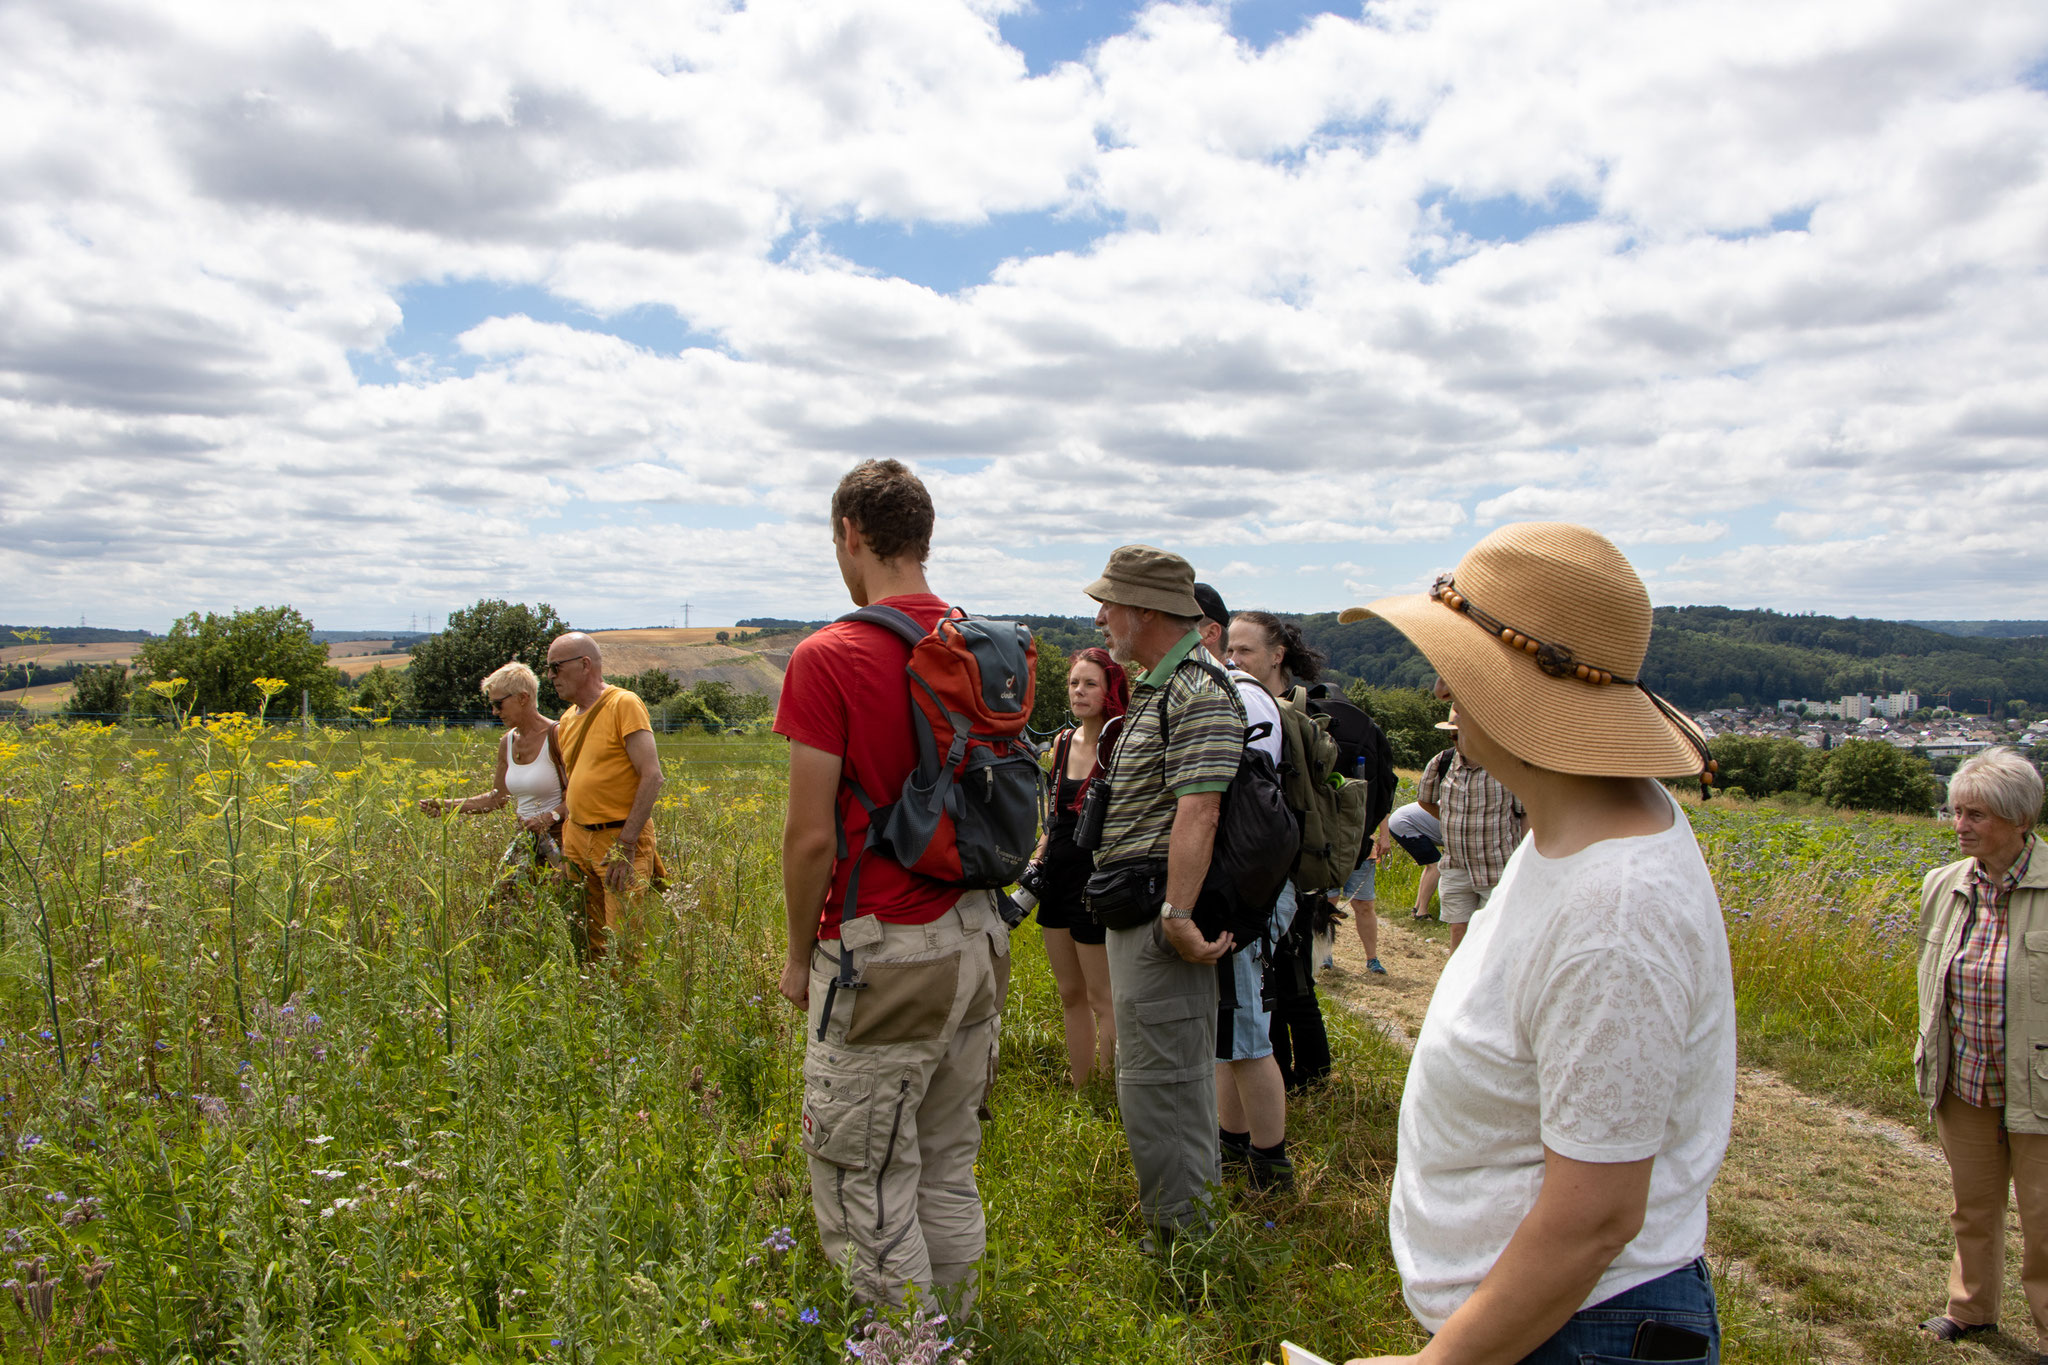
378	309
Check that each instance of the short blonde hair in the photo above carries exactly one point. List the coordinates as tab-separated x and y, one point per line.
513	677
2002	780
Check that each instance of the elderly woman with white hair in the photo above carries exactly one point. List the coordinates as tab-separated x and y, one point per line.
1982	1059
529	776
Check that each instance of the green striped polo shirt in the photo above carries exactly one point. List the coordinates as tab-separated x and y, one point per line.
1148	775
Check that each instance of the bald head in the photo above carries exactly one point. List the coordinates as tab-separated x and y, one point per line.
576	665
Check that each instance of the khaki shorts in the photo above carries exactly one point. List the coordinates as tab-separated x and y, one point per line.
1459	895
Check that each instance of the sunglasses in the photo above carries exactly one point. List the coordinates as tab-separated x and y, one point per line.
497	702
557	665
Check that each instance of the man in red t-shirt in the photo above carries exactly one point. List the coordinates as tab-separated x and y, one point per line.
896	1077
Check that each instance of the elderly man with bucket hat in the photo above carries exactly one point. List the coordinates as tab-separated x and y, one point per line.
1166	792
1568	1101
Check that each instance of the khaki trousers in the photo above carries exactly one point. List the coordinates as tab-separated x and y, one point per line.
1166	1074
603	908
1984	1161
894	1095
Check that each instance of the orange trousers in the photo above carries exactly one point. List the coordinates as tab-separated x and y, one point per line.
604	910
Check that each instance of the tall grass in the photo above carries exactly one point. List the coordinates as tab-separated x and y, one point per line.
321	1098
1822	912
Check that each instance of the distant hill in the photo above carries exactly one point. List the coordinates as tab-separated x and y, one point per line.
75	635
1721	656
1992	630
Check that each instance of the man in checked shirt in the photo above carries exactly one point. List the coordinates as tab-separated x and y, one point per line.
1482	823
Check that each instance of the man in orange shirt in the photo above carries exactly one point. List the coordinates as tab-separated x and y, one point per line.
607	746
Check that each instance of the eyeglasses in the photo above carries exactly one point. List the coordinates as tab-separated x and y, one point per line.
556	665
497	702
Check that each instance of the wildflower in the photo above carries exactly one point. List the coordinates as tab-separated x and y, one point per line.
28	1140
46	1035
809	1317
779	1241
15	1239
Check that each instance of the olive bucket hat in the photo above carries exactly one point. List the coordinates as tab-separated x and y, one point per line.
1540	633
1145	576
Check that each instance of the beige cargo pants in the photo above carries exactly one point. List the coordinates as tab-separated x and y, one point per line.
894	1095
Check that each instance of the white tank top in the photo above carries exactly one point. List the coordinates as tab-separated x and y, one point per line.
535	786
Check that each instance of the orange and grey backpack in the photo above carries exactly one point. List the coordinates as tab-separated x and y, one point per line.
968	812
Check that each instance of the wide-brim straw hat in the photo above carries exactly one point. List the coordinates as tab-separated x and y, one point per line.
1540	634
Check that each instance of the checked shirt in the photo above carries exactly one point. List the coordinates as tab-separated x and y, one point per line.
1976	990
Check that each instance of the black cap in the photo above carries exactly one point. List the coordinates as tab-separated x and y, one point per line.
1211	603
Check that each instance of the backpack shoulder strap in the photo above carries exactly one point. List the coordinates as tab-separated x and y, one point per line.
891	619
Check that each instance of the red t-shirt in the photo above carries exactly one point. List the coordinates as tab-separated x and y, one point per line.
847	694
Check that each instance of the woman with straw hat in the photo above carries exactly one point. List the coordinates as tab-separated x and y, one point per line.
1568	1103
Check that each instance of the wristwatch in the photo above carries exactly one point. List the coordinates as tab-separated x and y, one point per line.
1171	911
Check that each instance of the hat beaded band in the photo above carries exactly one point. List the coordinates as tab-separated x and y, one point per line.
1558	662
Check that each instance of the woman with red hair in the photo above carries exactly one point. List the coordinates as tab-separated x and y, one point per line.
1098	690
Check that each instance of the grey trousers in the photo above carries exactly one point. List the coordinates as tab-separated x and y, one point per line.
1166	1074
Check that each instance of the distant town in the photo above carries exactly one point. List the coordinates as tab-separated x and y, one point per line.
1899	719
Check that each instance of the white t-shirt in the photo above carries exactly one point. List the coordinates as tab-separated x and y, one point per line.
1259	706
1590	1010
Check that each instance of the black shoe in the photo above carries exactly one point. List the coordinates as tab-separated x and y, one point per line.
1236	1149
1944	1328
1273	1173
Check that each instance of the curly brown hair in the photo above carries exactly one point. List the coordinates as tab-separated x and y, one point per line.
889	507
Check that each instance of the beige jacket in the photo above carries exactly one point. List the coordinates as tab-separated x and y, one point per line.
1944	905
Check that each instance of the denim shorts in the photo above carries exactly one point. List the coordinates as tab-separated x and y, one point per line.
1251	1023
1358	886
1606	1333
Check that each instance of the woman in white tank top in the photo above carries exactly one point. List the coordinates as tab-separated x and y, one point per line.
529	766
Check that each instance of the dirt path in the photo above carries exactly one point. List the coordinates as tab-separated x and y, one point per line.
1836	1218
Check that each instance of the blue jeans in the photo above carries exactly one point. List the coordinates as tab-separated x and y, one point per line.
1605	1334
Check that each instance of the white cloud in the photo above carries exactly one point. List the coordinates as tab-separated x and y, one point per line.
1295	340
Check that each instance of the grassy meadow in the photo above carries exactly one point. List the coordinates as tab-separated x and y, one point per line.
279	1080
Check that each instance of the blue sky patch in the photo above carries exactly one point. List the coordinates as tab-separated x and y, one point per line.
948	259
1509	217
435	314
1056	31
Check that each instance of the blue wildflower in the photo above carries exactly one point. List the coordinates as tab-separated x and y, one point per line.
809	1317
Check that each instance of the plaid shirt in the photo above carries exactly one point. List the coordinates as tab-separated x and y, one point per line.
1976	990
1482	820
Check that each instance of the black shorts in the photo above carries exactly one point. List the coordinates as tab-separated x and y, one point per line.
1070	914
1421	849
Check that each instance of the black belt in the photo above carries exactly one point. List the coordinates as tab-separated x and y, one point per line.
608	824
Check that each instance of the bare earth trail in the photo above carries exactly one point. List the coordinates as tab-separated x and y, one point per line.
1835	1218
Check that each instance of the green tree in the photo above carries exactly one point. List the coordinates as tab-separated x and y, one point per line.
383	691
224	655
448	670
1049	698
99	692
1408	716
1760	765
1869	774
651	685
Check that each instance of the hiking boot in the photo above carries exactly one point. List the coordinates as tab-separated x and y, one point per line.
1372	964
1274	1174
1236	1148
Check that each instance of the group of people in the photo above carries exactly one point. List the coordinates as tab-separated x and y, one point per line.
1569	1099
1570	1095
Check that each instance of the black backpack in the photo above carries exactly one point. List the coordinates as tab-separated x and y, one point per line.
1257	839
1358	737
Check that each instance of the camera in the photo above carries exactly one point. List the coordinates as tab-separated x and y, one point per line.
1030	886
1094	809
